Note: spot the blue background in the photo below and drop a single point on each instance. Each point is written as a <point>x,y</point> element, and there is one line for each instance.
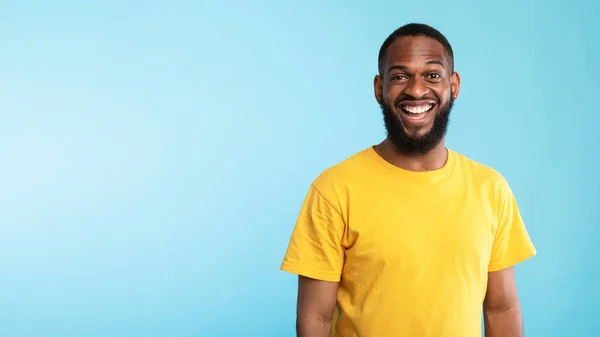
<point>154,155</point>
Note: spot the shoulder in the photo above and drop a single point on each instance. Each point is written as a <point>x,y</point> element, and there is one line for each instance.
<point>493,187</point>
<point>343,172</point>
<point>483,174</point>
<point>335,182</point>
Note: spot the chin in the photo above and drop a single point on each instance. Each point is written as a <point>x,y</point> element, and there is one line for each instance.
<point>419,134</point>
<point>416,131</point>
<point>416,139</point>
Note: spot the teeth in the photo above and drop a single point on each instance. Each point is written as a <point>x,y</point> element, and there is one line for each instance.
<point>417,109</point>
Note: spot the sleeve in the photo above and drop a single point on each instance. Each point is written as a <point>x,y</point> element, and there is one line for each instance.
<point>512,243</point>
<point>315,249</point>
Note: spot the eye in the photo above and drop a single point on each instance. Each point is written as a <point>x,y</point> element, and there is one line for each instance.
<point>398,77</point>
<point>434,76</point>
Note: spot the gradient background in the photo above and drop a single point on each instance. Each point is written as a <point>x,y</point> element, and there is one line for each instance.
<point>154,156</point>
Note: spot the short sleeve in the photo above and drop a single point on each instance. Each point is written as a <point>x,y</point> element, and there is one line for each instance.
<point>315,249</point>
<point>512,243</point>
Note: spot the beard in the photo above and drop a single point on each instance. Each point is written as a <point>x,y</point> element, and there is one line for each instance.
<point>416,145</point>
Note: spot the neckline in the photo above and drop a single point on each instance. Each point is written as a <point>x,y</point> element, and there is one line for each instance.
<point>432,176</point>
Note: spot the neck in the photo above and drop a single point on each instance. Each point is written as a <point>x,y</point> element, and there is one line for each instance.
<point>430,161</point>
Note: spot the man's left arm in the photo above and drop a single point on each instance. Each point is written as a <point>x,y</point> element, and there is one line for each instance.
<point>511,245</point>
<point>501,307</point>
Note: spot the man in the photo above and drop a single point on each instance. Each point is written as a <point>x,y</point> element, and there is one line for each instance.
<point>407,237</point>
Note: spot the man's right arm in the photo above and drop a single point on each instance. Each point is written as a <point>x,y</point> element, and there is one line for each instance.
<point>316,252</point>
<point>316,303</point>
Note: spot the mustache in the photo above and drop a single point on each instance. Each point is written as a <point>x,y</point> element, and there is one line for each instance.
<point>401,99</point>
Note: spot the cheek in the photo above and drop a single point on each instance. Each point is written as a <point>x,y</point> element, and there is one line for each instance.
<point>391,95</point>
<point>445,91</point>
<point>442,94</point>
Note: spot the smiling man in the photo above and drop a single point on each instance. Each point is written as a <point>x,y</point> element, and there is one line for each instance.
<point>407,237</point>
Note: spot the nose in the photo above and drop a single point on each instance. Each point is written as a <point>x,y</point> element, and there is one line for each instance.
<point>416,88</point>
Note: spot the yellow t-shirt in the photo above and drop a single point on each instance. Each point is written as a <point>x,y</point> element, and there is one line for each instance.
<point>412,250</point>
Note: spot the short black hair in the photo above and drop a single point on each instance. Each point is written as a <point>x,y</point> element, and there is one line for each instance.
<point>415,29</point>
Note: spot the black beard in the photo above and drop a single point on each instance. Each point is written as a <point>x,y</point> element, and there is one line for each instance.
<point>416,145</point>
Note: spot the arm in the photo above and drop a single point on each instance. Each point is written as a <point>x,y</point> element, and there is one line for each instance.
<point>501,307</point>
<point>316,252</point>
<point>511,245</point>
<point>316,302</point>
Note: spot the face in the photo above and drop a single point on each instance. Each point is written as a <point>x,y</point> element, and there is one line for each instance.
<point>416,92</point>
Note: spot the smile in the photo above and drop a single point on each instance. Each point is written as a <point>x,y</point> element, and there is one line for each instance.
<point>416,109</point>
<point>417,113</point>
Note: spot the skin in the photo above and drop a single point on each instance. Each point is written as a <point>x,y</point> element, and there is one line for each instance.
<point>416,69</point>
<point>316,302</point>
<point>501,307</point>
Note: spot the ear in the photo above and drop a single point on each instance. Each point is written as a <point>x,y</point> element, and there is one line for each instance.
<point>455,85</point>
<point>378,88</point>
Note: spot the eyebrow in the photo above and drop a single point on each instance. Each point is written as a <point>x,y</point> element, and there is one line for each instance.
<point>435,62</point>
<point>403,67</point>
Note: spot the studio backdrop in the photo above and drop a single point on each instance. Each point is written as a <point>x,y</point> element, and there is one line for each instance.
<point>155,155</point>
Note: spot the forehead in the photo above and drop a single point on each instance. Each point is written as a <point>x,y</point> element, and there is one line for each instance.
<point>415,50</point>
